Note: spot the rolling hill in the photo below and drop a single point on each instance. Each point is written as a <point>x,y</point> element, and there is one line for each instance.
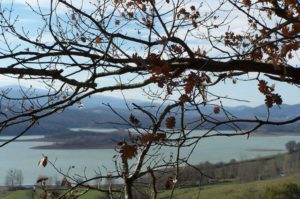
<point>96,115</point>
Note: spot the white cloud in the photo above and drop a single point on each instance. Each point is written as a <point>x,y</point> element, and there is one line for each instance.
<point>8,81</point>
<point>33,3</point>
<point>45,4</point>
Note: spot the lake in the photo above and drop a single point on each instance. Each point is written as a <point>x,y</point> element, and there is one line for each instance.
<point>18,155</point>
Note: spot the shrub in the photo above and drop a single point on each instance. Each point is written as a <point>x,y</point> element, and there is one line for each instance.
<point>286,191</point>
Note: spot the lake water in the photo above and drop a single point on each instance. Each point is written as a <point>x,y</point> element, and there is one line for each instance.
<point>18,155</point>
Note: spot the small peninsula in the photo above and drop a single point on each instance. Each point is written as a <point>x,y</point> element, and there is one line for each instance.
<point>82,140</point>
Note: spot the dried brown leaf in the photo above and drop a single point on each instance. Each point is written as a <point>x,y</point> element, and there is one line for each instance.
<point>269,101</point>
<point>133,120</point>
<point>128,151</point>
<point>216,109</point>
<point>160,137</point>
<point>147,138</point>
<point>184,98</point>
<point>277,99</point>
<point>98,40</point>
<point>262,87</point>
<point>170,122</point>
<point>43,161</point>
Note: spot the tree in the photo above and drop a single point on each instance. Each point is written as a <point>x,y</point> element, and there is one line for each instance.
<point>156,45</point>
<point>291,146</point>
<point>14,178</point>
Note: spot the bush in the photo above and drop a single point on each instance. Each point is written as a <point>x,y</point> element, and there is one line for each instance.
<point>287,191</point>
<point>292,146</point>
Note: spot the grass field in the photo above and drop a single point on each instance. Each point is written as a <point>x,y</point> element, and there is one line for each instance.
<point>27,194</point>
<point>249,190</point>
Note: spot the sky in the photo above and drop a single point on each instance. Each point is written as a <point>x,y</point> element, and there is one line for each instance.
<point>242,90</point>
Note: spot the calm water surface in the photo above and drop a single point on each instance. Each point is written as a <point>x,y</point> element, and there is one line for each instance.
<point>18,155</point>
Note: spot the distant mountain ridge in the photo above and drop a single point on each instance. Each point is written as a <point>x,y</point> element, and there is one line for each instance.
<point>96,115</point>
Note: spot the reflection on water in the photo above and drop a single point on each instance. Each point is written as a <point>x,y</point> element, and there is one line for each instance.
<point>94,130</point>
<point>19,155</point>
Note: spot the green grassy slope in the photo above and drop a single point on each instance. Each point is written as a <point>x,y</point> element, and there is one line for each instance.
<point>232,191</point>
<point>249,190</point>
<point>27,194</point>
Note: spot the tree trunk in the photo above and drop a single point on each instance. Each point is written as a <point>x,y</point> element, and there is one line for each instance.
<point>128,190</point>
<point>128,182</point>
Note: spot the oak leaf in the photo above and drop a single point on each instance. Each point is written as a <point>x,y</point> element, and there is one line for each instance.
<point>153,138</point>
<point>285,31</point>
<point>128,151</point>
<point>170,122</point>
<point>216,109</point>
<point>269,101</point>
<point>247,3</point>
<point>147,138</point>
<point>133,120</point>
<point>262,87</point>
<point>98,40</point>
<point>162,68</point>
<point>157,70</point>
<point>43,161</point>
<point>277,99</point>
<point>296,28</point>
<point>189,86</point>
<point>160,137</point>
<point>184,98</point>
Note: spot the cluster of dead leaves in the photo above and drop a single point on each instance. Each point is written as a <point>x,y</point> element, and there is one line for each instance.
<point>162,67</point>
<point>170,122</point>
<point>270,97</point>
<point>158,137</point>
<point>52,193</point>
<point>247,3</point>
<point>193,15</point>
<point>133,120</point>
<point>184,98</point>
<point>285,32</point>
<point>159,67</point>
<point>161,71</point>
<point>134,5</point>
<point>195,80</point>
<point>128,151</point>
<point>232,39</point>
<point>177,49</point>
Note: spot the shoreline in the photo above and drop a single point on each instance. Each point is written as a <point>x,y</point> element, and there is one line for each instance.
<point>109,140</point>
<point>274,134</point>
<point>71,147</point>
